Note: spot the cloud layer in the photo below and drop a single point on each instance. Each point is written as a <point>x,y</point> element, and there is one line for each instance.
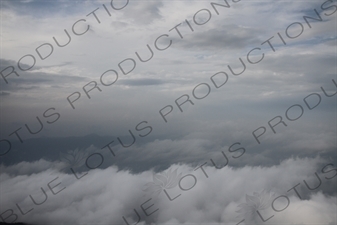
<point>205,195</point>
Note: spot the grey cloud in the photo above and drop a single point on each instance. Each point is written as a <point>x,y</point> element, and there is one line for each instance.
<point>41,9</point>
<point>34,79</point>
<point>4,93</point>
<point>143,12</point>
<point>222,38</point>
<point>331,42</point>
<point>314,65</point>
<point>5,63</point>
<point>141,82</point>
<point>119,24</point>
<point>29,168</point>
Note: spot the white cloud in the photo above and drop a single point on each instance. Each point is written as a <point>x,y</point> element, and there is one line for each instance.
<point>105,196</point>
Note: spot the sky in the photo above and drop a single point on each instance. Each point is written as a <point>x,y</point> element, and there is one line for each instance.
<point>110,109</point>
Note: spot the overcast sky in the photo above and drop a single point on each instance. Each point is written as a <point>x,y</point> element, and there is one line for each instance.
<point>143,88</point>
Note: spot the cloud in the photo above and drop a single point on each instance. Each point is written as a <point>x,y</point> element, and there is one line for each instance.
<point>175,72</point>
<point>223,38</point>
<point>150,11</point>
<point>43,9</point>
<point>194,133</point>
<point>141,82</point>
<point>29,168</point>
<point>3,93</point>
<point>106,195</point>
